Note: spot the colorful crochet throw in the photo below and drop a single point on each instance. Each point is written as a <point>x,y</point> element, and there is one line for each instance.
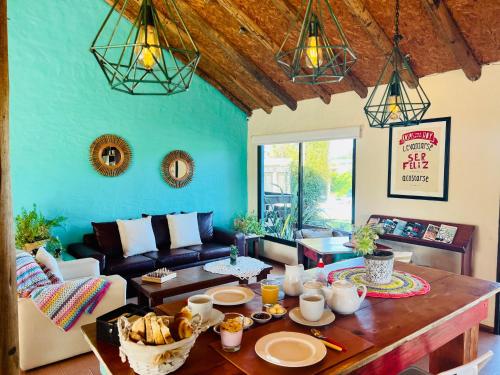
<point>402,285</point>
<point>65,303</point>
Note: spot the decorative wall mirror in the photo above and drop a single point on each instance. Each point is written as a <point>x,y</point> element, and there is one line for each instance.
<point>110,155</point>
<point>177,168</point>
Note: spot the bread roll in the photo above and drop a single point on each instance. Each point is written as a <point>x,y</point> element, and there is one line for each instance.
<point>181,328</point>
<point>155,327</point>
<point>184,313</point>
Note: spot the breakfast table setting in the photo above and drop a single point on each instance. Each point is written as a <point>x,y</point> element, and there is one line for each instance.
<point>347,326</point>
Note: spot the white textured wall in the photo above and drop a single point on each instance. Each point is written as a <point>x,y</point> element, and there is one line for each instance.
<point>474,190</point>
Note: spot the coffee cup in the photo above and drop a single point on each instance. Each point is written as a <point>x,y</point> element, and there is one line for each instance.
<point>312,306</point>
<point>312,287</point>
<point>201,304</point>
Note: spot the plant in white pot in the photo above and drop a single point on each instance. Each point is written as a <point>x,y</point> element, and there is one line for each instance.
<point>33,229</point>
<point>379,263</point>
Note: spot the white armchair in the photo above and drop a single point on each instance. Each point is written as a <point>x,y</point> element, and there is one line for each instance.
<point>42,342</point>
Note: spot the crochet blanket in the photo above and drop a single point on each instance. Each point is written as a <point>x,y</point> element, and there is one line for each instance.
<point>65,303</point>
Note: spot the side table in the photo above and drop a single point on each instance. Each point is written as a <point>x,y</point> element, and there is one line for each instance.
<point>252,241</point>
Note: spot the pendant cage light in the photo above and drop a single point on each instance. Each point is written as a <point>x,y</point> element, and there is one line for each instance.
<point>143,56</point>
<point>402,102</point>
<point>321,52</point>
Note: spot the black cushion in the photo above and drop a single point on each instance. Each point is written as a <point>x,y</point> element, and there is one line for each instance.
<point>205,225</point>
<point>134,265</point>
<point>108,238</point>
<point>211,250</point>
<point>160,230</point>
<point>173,258</point>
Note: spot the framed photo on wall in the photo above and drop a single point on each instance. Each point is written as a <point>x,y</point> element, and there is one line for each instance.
<point>419,158</point>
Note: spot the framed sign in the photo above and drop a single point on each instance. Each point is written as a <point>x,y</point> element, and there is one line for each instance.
<point>419,160</point>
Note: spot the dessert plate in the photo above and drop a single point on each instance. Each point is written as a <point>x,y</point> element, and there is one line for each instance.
<point>230,295</point>
<point>290,349</point>
<point>327,318</point>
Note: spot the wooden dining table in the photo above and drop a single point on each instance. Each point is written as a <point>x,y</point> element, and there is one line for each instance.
<point>443,324</point>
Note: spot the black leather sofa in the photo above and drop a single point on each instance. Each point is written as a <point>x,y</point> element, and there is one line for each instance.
<point>105,246</point>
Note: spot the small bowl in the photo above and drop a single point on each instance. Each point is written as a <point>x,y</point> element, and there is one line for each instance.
<point>277,316</point>
<point>261,316</point>
<point>247,323</point>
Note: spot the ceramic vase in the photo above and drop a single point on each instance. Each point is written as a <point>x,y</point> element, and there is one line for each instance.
<point>379,267</point>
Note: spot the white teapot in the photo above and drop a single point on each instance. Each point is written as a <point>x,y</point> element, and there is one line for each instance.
<point>342,297</point>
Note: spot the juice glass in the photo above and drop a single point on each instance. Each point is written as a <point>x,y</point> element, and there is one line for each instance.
<point>231,332</point>
<point>269,289</point>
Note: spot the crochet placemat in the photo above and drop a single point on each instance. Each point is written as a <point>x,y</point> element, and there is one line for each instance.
<point>403,284</point>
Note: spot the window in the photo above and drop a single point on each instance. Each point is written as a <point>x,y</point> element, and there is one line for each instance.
<point>306,185</point>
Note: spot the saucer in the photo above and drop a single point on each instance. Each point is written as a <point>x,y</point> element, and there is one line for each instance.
<point>327,318</point>
<point>216,317</point>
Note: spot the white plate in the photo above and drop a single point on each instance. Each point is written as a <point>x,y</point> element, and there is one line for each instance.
<point>327,318</point>
<point>230,295</point>
<point>290,349</point>
<point>216,317</point>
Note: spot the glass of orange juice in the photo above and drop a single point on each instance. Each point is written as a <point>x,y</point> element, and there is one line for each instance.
<point>269,289</point>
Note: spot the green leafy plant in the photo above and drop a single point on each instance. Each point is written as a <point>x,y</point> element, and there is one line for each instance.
<point>364,237</point>
<point>32,226</point>
<point>249,224</point>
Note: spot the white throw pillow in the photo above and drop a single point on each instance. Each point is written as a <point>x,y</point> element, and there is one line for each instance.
<point>46,258</point>
<point>183,230</point>
<point>136,236</point>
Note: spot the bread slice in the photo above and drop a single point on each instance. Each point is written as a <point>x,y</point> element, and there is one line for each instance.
<point>165,331</point>
<point>139,328</point>
<point>150,339</point>
<point>155,327</point>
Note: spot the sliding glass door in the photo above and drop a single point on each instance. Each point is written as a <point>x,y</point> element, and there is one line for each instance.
<point>306,185</point>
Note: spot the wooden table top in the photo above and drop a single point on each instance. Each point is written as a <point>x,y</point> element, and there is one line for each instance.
<point>387,323</point>
<point>188,279</point>
<point>326,245</point>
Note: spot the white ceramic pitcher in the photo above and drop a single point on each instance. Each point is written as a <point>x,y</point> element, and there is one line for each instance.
<point>292,285</point>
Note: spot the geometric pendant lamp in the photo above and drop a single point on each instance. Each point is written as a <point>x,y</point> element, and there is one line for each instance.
<point>144,56</point>
<point>397,99</point>
<point>315,50</point>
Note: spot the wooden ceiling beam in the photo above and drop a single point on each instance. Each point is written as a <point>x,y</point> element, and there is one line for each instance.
<point>263,38</point>
<point>449,31</point>
<point>222,89</point>
<point>290,12</point>
<point>379,37</point>
<point>196,20</point>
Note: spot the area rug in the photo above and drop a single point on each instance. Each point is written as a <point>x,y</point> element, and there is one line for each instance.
<point>403,284</point>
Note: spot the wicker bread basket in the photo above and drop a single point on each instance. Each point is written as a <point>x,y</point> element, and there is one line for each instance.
<point>155,360</point>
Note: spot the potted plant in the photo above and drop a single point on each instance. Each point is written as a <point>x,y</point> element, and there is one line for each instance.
<point>379,263</point>
<point>249,225</point>
<point>33,229</point>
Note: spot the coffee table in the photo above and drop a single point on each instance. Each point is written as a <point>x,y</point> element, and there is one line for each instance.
<point>187,280</point>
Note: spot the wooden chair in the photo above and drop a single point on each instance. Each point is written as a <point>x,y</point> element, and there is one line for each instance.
<point>471,368</point>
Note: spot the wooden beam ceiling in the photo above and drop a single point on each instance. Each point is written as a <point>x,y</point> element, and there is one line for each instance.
<point>448,30</point>
<point>263,38</point>
<point>192,17</point>
<point>238,40</point>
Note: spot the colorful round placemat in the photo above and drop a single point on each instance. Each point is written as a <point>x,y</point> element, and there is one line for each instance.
<point>403,284</point>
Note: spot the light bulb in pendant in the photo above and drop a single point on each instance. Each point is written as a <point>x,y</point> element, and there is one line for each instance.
<point>148,49</point>
<point>314,55</point>
<point>392,103</point>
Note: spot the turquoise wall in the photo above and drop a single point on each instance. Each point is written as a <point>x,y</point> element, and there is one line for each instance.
<point>60,103</point>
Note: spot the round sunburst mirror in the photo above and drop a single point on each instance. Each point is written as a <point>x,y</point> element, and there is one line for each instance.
<point>110,155</point>
<point>177,168</point>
